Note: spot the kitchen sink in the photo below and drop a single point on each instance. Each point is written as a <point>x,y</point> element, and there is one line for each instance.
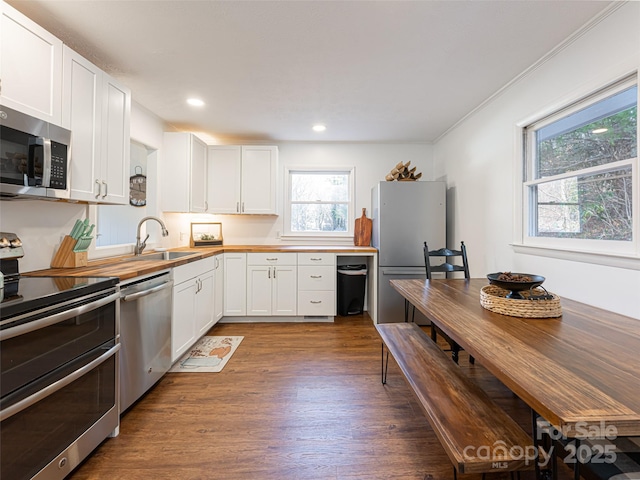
<point>162,256</point>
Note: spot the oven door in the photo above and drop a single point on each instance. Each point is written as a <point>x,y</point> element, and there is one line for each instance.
<point>51,426</point>
<point>37,343</point>
<point>59,385</point>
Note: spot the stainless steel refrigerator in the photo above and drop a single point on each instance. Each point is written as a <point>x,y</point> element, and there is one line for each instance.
<point>405,215</point>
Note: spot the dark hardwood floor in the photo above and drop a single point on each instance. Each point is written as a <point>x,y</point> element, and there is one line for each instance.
<point>296,401</point>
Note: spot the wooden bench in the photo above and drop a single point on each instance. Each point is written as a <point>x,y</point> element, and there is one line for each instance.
<point>477,435</point>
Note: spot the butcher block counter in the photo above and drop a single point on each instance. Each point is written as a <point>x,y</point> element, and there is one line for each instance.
<point>128,266</point>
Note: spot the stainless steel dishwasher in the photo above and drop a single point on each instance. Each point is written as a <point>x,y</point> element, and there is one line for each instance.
<point>145,334</point>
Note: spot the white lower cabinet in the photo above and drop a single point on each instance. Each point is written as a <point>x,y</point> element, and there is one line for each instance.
<point>183,331</point>
<point>193,304</point>
<point>218,288</point>
<point>271,284</point>
<point>235,284</point>
<point>316,284</point>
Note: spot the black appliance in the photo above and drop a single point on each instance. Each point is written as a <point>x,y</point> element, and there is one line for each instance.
<point>59,371</point>
<point>34,156</point>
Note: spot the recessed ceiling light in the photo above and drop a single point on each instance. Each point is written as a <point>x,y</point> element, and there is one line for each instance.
<point>319,128</point>
<point>600,130</point>
<point>195,102</point>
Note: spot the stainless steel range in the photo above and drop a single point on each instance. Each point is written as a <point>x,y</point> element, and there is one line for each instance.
<point>59,342</point>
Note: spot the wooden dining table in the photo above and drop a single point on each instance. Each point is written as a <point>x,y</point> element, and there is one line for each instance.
<point>580,371</point>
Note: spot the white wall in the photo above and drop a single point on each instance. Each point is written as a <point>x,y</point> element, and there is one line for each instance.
<point>479,158</point>
<point>371,161</point>
<point>41,225</point>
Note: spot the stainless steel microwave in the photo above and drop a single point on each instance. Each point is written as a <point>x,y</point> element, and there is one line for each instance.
<point>34,156</point>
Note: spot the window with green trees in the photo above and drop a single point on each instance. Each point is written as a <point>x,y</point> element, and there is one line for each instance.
<point>580,168</point>
<point>320,201</point>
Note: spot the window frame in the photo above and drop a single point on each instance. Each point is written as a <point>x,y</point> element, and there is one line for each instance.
<point>310,169</point>
<point>624,254</point>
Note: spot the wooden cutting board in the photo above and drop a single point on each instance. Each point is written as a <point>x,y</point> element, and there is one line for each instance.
<point>362,231</point>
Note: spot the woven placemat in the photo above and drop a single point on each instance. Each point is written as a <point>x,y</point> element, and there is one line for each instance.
<point>494,298</point>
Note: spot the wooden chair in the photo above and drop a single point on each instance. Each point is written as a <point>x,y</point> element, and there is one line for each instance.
<point>447,268</point>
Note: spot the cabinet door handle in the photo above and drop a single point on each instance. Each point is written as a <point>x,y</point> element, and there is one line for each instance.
<point>242,207</point>
<point>269,272</point>
<point>99,188</point>
<point>272,259</point>
<point>238,207</point>
<point>106,189</point>
<point>315,301</point>
<point>315,259</point>
<point>274,272</point>
<point>206,205</point>
<point>316,276</point>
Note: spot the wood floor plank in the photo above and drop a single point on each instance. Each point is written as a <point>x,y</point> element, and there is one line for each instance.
<point>296,401</point>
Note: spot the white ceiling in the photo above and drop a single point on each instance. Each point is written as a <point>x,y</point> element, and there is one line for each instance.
<point>372,71</point>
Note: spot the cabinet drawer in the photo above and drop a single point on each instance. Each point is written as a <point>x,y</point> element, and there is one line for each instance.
<point>316,259</point>
<point>193,269</point>
<point>275,258</point>
<point>317,303</point>
<point>316,278</point>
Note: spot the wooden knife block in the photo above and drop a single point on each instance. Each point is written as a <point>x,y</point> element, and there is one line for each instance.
<point>65,257</point>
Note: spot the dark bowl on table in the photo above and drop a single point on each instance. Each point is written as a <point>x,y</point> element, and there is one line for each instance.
<point>513,286</point>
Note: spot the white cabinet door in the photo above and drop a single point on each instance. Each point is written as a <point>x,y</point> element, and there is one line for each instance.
<point>259,290</point>
<point>183,173</point>
<point>82,114</point>
<point>198,180</point>
<point>259,169</point>
<point>271,290</point>
<point>243,179</point>
<point>182,319</point>
<point>224,176</point>
<point>284,290</point>
<point>97,110</point>
<point>204,303</point>
<point>30,67</point>
<point>218,288</point>
<point>235,284</point>
<point>116,147</point>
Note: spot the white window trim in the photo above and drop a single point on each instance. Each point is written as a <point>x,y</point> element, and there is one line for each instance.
<point>288,234</point>
<point>600,252</point>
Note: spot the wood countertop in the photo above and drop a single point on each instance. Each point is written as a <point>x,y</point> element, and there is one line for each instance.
<point>127,267</point>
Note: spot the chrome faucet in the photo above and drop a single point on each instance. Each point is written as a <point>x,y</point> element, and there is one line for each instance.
<point>140,245</point>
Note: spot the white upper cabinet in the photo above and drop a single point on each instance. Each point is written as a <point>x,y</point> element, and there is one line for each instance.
<point>242,179</point>
<point>97,109</point>
<point>30,67</point>
<point>225,164</point>
<point>184,173</point>
<point>116,144</point>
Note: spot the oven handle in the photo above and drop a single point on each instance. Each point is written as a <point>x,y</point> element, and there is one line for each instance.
<point>144,293</point>
<point>60,384</point>
<point>58,317</point>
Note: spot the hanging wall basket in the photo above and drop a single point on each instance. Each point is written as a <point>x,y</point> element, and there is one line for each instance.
<point>138,189</point>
